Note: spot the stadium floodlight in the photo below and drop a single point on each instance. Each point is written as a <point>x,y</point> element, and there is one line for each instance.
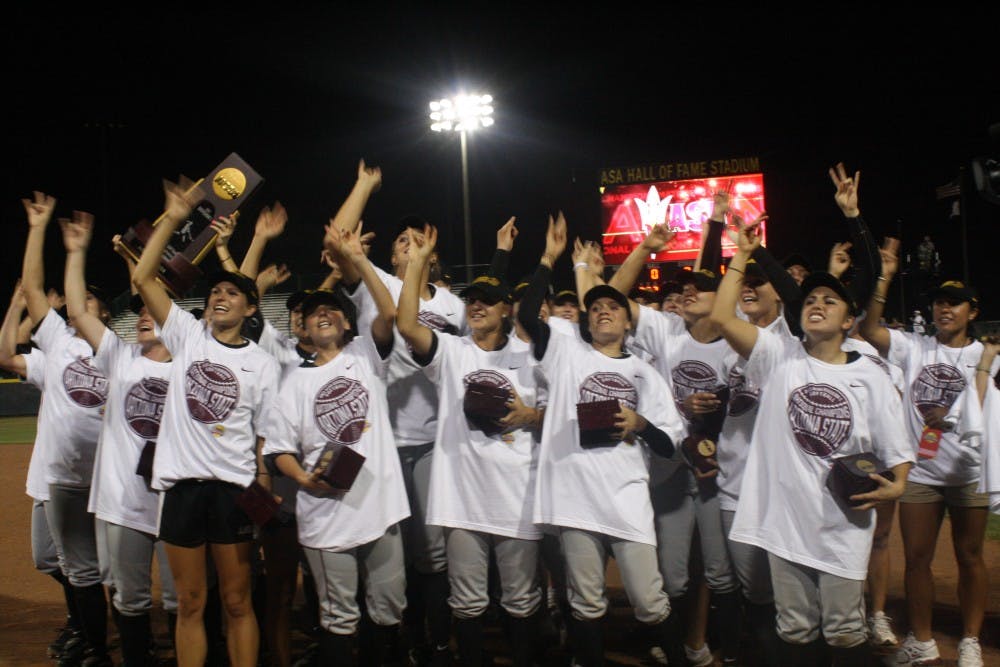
<point>463,113</point>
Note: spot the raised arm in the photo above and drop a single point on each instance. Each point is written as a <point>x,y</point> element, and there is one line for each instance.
<point>179,200</point>
<point>625,277</point>
<point>840,259</point>
<point>534,294</point>
<point>270,224</point>
<point>866,250</point>
<point>871,330</point>
<point>584,273</point>
<point>369,181</point>
<point>76,237</point>
<point>505,244</point>
<point>10,360</point>
<point>224,228</point>
<point>272,276</point>
<point>39,213</point>
<point>416,334</point>
<point>710,254</point>
<point>741,335</point>
<point>348,245</point>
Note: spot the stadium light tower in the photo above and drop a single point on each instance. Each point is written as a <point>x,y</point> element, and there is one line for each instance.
<point>463,114</point>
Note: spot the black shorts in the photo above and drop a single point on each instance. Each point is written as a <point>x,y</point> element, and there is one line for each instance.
<point>197,511</point>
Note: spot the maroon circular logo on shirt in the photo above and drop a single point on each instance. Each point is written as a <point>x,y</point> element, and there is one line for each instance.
<point>743,396</point>
<point>212,392</point>
<point>432,320</point>
<point>603,386</point>
<point>341,409</point>
<point>144,406</point>
<point>937,386</point>
<point>690,377</point>
<point>489,378</point>
<point>821,418</point>
<point>85,384</point>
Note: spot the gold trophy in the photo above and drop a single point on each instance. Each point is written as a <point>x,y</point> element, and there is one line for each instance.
<point>232,183</point>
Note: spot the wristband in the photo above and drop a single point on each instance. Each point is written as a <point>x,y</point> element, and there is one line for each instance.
<point>882,278</point>
<point>878,299</point>
<point>580,264</point>
<point>739,271</point>
<point>979,369</point>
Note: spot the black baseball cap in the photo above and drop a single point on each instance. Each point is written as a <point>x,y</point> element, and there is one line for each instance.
<point>296,298</point>
<point>704,280</point>
<point>824,279</point>
<point>563,296</point>
<point>519,290</point>
<point>135,304</point>
<point>955,290</point>
<point>753,274</point>
<point>409,222</point>
<point>99,294</point>
<point>796,259</point>
<point>606,291</point>
<point>671,287</point>
<point>334,298</point>
<point>242,282</point>
<point>493,289</point>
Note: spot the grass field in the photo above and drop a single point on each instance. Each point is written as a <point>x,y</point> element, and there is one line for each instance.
<point>16,430</point>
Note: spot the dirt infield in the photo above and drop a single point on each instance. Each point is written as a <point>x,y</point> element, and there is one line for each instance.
<point>31,604</point>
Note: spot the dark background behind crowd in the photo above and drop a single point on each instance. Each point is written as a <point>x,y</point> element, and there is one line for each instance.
<point>102,103</point>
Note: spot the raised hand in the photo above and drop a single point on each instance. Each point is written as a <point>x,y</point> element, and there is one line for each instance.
<point>366,239</point>
<point>659,237</point>
<point>224,227</point>
<point>345,243</point>
<point>40,209</point>
<point>846,195</point>
<point>370,177</point>
<point>555,239</point>
<point>78,231</point>
<point>580,251</point>
<point>180,198</point>
<point>506,235</point>
<point>271,221</point>
<point>748,237</point>
<point>840,259</point>
<point>595,257</point>
<point>272,276</point>
<point>422,244</point>
<point>890,257</point>
<point>720,205</point>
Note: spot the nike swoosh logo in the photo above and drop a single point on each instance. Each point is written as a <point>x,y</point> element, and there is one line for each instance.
<point>246,370</point>
<point>856,386</point>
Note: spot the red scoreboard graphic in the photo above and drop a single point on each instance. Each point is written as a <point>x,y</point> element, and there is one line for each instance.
<point>630,211</point>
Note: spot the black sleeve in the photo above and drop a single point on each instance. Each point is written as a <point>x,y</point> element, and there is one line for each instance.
<point>658,440</point>
<point>531,306</point>
<point>423,360</point>
<point>788,290</point>
<point>500,263</point>
<point>869,264</point>
<point>711,256</point>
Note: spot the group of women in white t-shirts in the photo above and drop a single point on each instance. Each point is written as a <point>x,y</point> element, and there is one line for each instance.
<point>591,434</point>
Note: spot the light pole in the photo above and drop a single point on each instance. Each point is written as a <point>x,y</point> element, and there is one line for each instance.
<point>463,114</point>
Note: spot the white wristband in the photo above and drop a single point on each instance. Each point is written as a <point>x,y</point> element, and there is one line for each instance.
<point>580,265</point>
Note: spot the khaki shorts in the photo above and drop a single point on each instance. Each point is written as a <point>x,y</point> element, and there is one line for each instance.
<point>954,496</point>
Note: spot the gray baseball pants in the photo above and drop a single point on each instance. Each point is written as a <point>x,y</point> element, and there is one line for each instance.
<point>468,573</point>
<point>751,565</point>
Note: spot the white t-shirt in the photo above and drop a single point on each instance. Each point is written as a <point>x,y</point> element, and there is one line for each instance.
<point>412,397</point>
<point>989,481</point>
<point>737,430</point>
<point>341,402</point>
<point>935,377</point>
<point>137,396</point>
<point>69,420</point>
<point>894,372</point>
<point>602,489</point>
<point>482,481</point>
<point>34,362</point>
<point>280,346</point>
<point>810,413</point>
<point>218,399</point>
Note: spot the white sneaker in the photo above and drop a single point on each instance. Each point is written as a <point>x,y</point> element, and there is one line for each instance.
<point>915,653</point>
<point>701,657</point>
<point>970,654</point>
<point>880,634</point>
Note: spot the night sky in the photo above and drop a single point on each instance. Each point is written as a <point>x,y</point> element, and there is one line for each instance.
<point>101,106</point>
